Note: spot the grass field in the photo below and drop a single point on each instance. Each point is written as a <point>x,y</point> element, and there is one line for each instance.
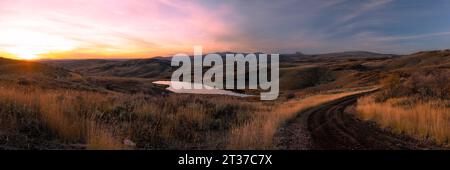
<point>426,120</point>
<point>76,119</point>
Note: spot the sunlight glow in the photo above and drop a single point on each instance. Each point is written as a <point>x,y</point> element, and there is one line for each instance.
<point>28,44</point>
<point>120,29</point>
<point>27,56</point>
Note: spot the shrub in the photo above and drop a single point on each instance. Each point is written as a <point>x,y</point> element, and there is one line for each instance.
<point>421,84</point>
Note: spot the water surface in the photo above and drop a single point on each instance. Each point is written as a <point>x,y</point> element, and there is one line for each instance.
<point>206,90</point>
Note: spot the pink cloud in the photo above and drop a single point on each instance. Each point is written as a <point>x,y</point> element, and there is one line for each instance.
<point>158,27</point>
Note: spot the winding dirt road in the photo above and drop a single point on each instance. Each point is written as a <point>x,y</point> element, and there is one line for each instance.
<point>334,126</point>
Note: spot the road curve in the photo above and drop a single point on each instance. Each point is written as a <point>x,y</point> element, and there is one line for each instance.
<point>334,126</point>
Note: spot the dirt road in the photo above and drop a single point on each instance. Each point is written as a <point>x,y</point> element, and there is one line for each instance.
<point>334,126</point>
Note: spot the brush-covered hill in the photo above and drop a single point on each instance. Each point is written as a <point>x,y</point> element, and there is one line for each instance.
<point>353,55</point>
<point>422,75</point>
<point>154,68</point>
<point>425,59</point>
<point>159,68</point>
<point>335,56</point>
<point>298,72</point>
<point>28,72</point>
<point>49,76</point>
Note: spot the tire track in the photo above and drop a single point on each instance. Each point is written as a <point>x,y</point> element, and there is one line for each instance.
<point>334,126</point>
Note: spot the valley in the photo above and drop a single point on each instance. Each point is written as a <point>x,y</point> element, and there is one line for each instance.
<point>114,104</point>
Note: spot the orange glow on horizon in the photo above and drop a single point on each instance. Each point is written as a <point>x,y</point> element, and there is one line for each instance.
<point>51,29</point>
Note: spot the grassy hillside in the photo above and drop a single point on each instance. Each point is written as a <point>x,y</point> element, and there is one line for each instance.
<point>297,71</point>
<point>415,98</point>
<point>139,68</point>
<point>32,73</point>
<point>48,76</point>
<point>426,59</point>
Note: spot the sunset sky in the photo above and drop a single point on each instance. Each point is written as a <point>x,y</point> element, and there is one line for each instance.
<point>69,29</point>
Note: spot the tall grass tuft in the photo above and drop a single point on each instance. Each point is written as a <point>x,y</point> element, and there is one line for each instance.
<point>423,119</point>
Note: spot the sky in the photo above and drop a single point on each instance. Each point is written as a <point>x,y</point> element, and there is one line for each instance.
<point>79,29</point>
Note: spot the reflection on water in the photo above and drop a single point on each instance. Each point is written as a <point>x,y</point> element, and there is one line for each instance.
<point>210,90</point>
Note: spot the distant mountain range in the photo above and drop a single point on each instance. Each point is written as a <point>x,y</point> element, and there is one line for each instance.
<point>338,55</point>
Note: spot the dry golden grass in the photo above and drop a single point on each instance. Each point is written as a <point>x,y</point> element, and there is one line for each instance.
<point>99,138</point>
<point>258,133</point>
<point>103,121</point>
<point>65,113</point>
<point>425,120</point>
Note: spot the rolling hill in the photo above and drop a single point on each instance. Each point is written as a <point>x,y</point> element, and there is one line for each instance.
<point>297,71</point>
<point>138,68</point>
<point>49,76</point>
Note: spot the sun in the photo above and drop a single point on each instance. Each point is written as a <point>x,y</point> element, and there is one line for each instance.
<point>27,56</point>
